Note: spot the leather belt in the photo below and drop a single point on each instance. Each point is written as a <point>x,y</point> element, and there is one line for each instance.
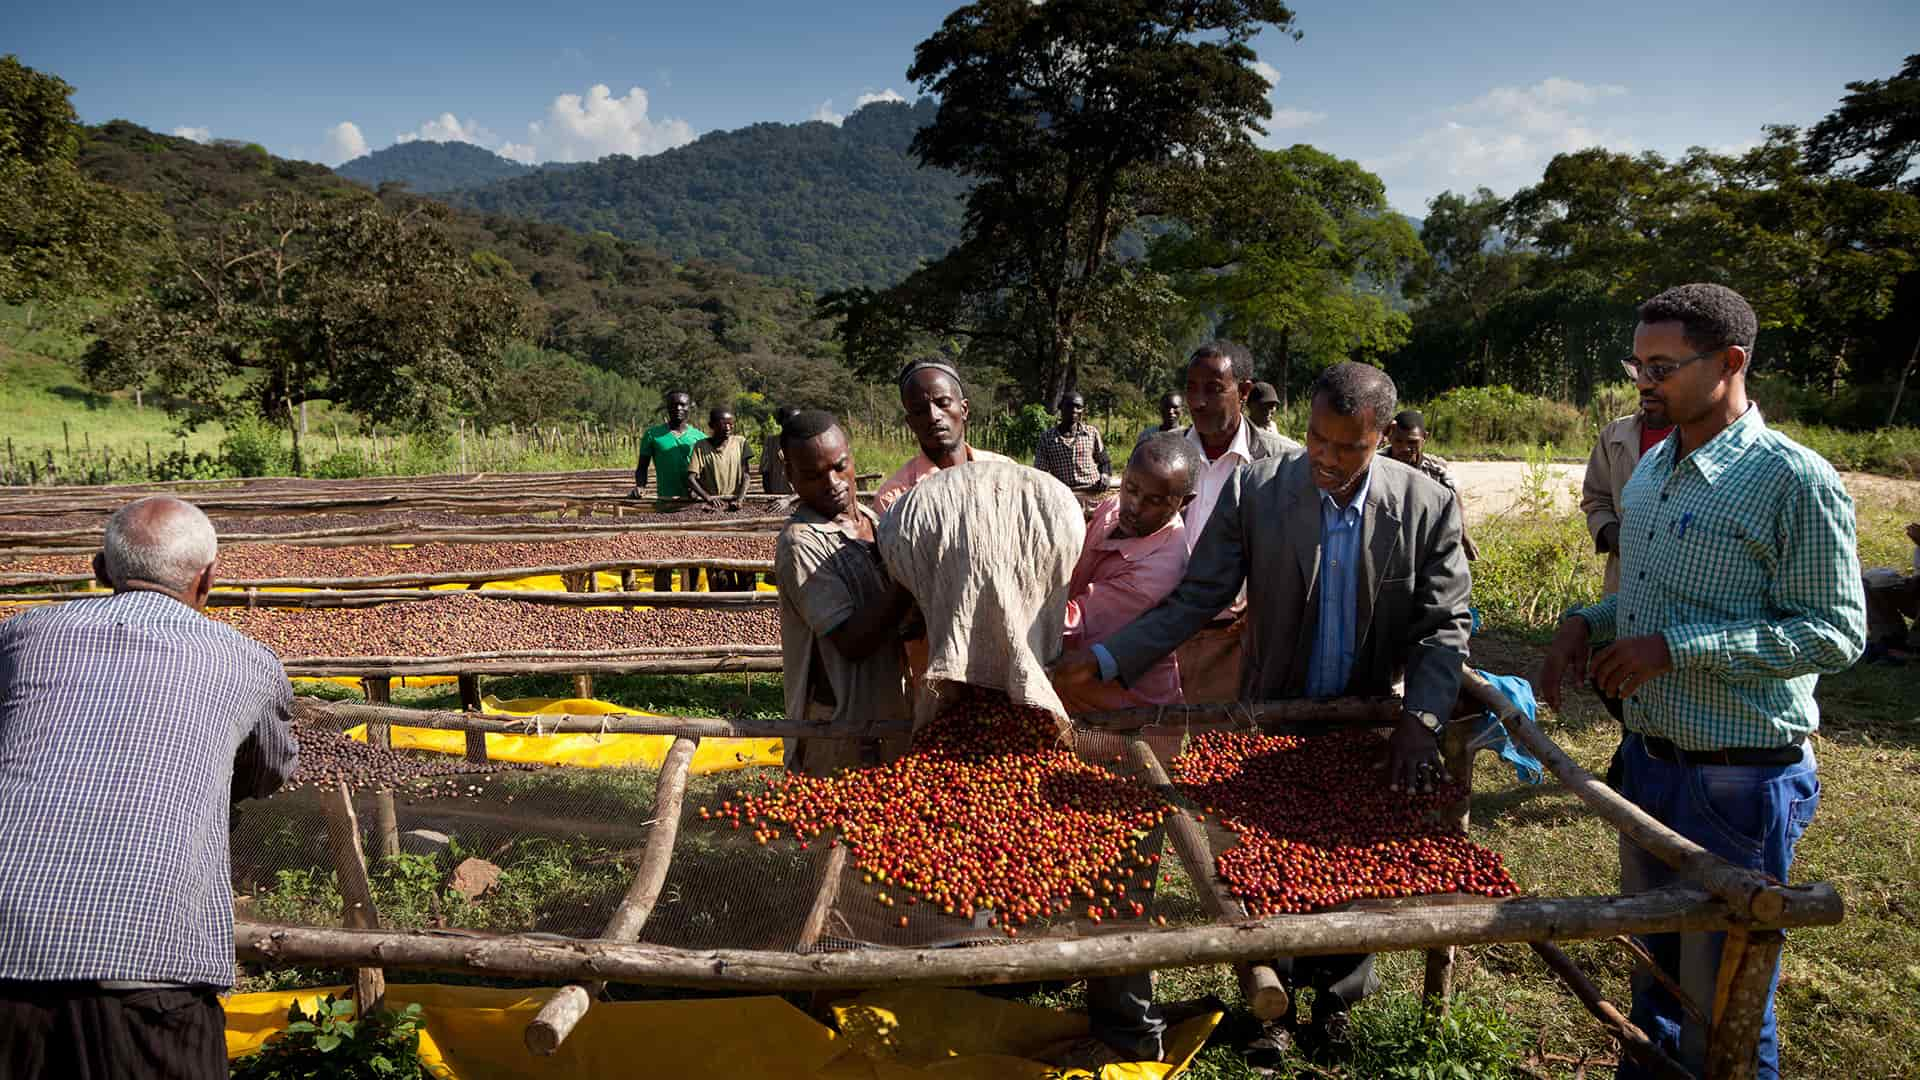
<point>1664,749</point>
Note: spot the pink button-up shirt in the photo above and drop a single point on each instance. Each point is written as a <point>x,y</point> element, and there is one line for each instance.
<point>918,468</point>
<point>1115,581</point>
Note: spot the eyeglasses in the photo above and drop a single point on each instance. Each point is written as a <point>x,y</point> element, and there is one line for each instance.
<point>1660,373</point>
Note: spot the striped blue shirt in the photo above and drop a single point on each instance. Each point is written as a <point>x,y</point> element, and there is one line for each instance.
<point>128,725</point>
<point>1333,638</point>
<point>1741,554</point>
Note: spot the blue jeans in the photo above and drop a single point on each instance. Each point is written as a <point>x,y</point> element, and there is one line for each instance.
<point>1752,816</point>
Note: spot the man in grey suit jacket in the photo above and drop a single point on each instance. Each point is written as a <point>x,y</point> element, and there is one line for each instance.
<point>1356,581</point>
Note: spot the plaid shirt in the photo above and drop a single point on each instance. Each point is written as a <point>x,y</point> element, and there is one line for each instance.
<point>1742,555</point>
<point>1074,458</point>
<point>127,726</point>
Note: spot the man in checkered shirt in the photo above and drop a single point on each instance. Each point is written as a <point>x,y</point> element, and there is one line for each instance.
<point>128,726</point>
<point>1739,588</point>
<point>1073,452</point>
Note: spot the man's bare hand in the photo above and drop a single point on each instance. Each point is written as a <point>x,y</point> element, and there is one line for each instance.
<point>1913,532</point>
<point>1567,654</point>
<point>1625,666</point>
<point>1413,757</point>
<point>1078,669</point>
<point>634,492</point>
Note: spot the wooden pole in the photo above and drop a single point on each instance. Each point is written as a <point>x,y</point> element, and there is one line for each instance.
<point>1749,892</point>
<point>356,890</point>
<point>1437,981</point>
<point>1259,984</point>
<point>627,568</point>
<point>470,702</point>
<point>749,658</point>
<point>232,596</point>
<point>1294,715</point>
<point>1632,1040</point>
<point>386,814</point>
<point>562,1011</point>
<point>1733,1043</point>
<point>1678,908</point>
<point>343,715</point>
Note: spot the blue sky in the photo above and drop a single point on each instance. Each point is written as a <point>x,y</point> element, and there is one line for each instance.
<point>1429,98</point>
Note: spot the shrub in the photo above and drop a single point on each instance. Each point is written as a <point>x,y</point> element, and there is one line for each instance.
<point>1481,415</point>
<point>1395,1038</point>
<point>337,1044</point>
<point>253,447</point>
<point>1891,451</point>
<point>1532,568</point>
<point>343,465</point>
<point>1015,435</point>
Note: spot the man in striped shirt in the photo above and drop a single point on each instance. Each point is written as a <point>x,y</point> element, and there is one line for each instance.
<point>129,724</point>
<point>1739,588</point>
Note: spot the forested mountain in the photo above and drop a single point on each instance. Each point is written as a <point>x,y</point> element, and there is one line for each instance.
<point>825,206</point>
<point>622,307</point>
<point>430,167</point>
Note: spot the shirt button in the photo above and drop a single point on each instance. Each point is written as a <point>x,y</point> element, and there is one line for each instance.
<point>1663,497</point>
<point>1629,618</point>
<point>1649,534</point>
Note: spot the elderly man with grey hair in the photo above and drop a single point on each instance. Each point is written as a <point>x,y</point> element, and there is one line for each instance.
<point>128,725</point>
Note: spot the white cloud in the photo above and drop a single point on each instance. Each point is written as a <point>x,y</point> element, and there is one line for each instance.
<point>824,113</point>
<point>447,128</point>
<point>868,98</point>
<point>1284,119</point>
<point>343,143</point>
<point>1268,72</point>
<point>1501,140</point>
<point>197,134</point>
<point>519,152</point>
<point>578,128</point>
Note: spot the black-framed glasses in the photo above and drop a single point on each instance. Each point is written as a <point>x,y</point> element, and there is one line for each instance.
<point>1660,373</point>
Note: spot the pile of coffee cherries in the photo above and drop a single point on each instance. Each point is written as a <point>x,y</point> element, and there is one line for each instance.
<point>988,812</point>
<point>1318,824</point>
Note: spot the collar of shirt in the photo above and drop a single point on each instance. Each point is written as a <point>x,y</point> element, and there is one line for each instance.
<point>808,516</point>
<point>1332,513</point>
<point>1721,451</point>
<point>1240,447</point>
<point>1131,548</point>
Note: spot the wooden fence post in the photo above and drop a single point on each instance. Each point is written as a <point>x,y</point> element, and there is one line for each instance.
<point>386,816</point>
<point>356,890</point>
<point>470,702</point>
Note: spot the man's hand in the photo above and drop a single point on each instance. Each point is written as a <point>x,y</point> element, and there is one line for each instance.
<point>1609,539</point>
<point>1079,669</point>
<point>633,492</point>
<point>1913,532</point>
<point>1568,652</point>
<point>1630,663</point>
<point>1413,756</point>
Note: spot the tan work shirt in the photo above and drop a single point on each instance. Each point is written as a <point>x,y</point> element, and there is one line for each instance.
<point>721,470</point>
<point>825,575</point>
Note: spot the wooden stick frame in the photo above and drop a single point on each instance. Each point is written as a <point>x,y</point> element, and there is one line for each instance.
<point>1713,896</point>
<point>419,580</point>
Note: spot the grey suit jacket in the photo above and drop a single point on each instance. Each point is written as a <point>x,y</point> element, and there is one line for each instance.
<point>1265,531</point>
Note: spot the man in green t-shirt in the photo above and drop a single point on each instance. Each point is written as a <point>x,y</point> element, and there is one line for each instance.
<point>669,447</point>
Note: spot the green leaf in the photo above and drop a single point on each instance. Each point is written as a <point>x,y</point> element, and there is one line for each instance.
<point>326,1043</point>
<point>342,1008</point>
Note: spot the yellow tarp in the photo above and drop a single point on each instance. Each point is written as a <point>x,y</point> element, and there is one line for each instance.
<point>475,1033</point>
<point>587,750</point>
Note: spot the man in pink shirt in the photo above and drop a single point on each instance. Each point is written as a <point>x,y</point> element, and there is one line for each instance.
<point>1136,552</point>
<point>937,410</point>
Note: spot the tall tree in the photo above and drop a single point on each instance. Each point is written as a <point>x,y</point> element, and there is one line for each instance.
<point>60,233</point>
<point>293,300</point>
<point>1299,248</point>
<point>1873,138</point>
<point>1074,118</point>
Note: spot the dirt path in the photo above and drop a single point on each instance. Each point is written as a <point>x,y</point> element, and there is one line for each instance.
<point>1491,488</point>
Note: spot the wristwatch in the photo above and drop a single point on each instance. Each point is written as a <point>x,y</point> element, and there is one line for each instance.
<point>1427,720</point>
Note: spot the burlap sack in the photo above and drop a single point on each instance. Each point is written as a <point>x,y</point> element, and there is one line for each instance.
<point>988,550</point>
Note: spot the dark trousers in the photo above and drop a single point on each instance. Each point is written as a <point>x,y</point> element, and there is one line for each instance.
<point>1345,978</point>
<point>77,1031</point>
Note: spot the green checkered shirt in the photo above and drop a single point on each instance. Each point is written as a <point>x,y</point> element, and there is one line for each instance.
<point>1742,555</point>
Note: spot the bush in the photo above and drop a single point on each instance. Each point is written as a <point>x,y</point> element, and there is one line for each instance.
<point>1532,568</point>
<point>1482,415</point>
<point>336,1044</point>
<point>253,447</point>
<point>1890,451</point>
<point>1015,435</point>
<point>343,465</point>
<point>1395,1038</point>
